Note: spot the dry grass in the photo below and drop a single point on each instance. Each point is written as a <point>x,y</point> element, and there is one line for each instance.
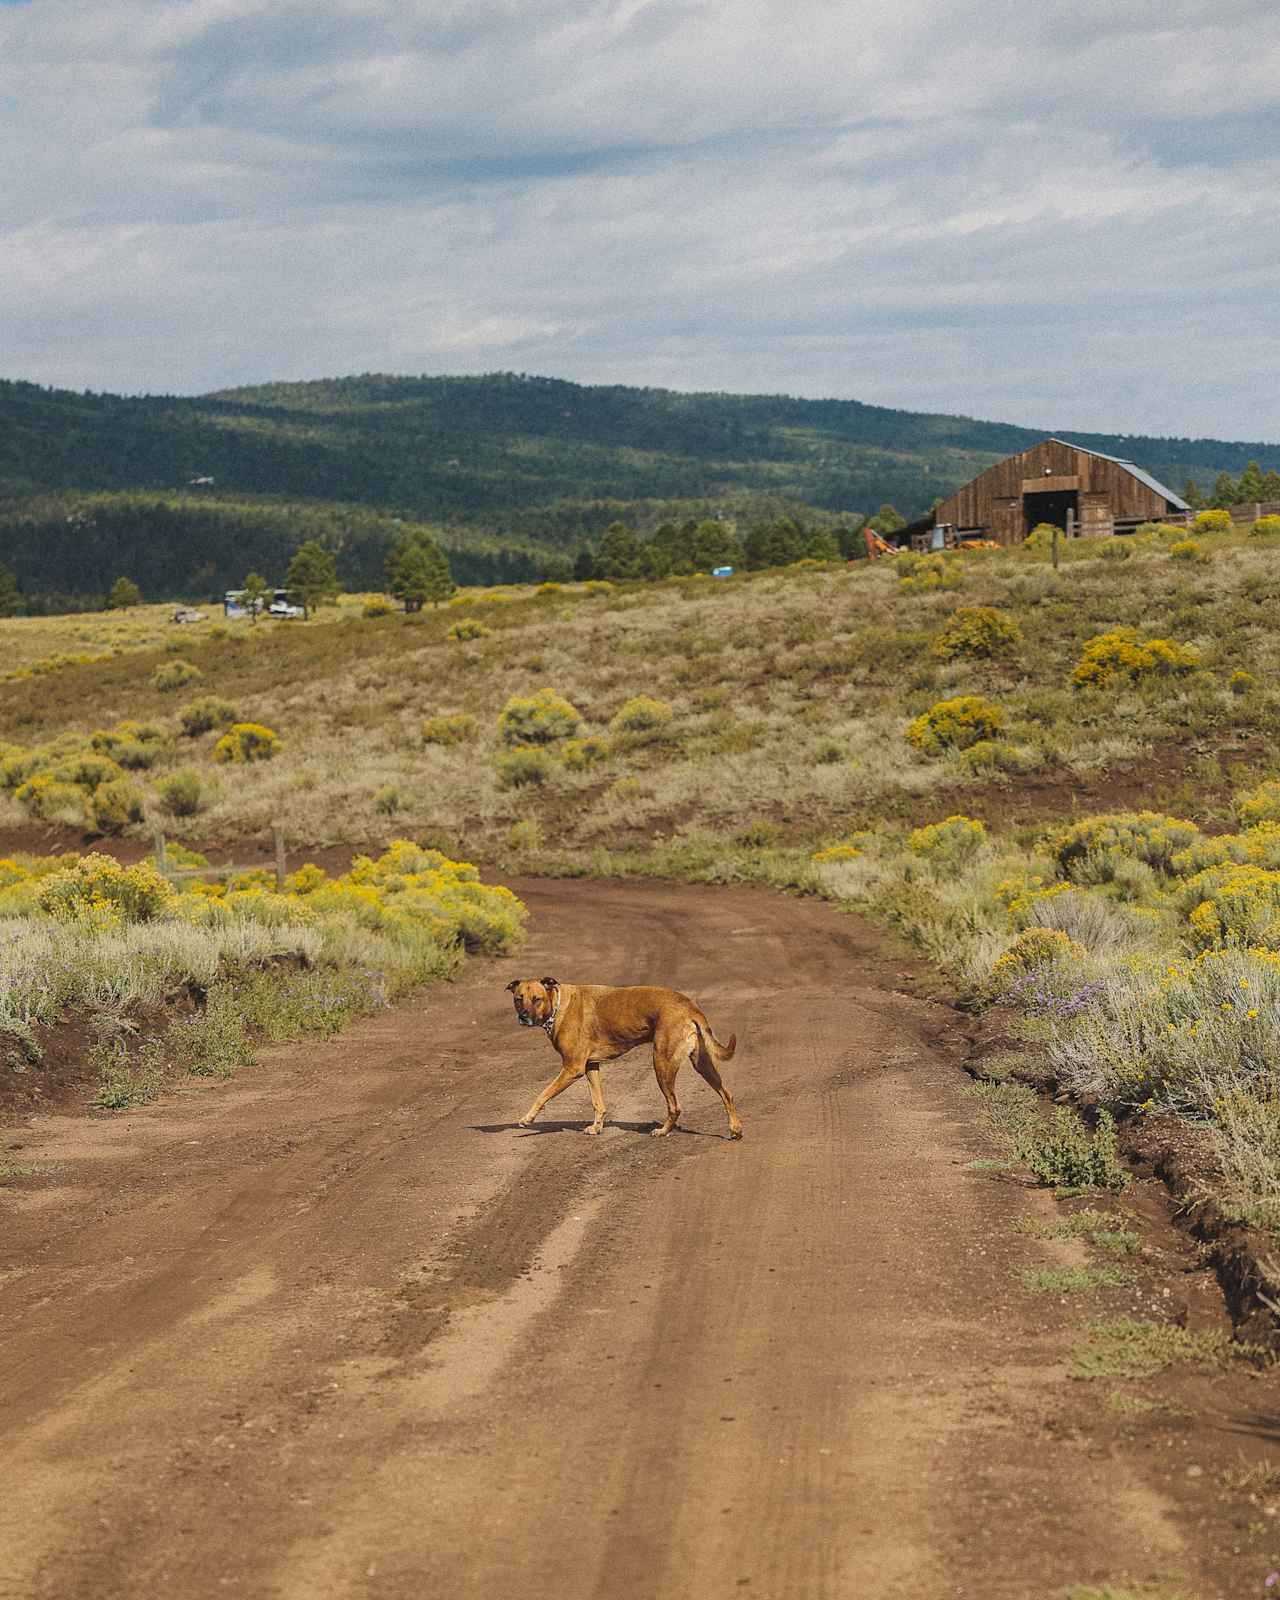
<point>791,693</point>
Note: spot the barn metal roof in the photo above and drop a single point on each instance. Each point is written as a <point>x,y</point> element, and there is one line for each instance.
<point>1175,500</point>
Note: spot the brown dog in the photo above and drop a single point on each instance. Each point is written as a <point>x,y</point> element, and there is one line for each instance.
<point>589,1023</point>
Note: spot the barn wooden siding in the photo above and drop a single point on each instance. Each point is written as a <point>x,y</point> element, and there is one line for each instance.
<point>1106,492</point>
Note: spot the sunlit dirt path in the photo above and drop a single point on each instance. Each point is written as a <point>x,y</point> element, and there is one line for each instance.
<point>339,1329</point>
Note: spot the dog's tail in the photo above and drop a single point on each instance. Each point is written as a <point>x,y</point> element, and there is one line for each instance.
<point>707,1040</point>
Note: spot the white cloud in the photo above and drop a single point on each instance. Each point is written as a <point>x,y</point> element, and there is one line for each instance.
<point>1063,218</point>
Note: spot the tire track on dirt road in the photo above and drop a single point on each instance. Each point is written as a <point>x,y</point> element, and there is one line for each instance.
<point>339,1330</point>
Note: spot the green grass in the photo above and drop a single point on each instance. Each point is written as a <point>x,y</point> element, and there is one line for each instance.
<point>1126,1347</point>
<point>1098,1227</point>
<point>1072,1280</point>
<point>1122,1404</point>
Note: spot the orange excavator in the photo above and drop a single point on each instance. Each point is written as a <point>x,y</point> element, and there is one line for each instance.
<point>876,546</point>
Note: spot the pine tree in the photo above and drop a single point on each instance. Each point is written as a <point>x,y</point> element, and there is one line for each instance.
<point>714,545</point>
<point>619,553</point>
<point>256,591</point>
<point>1192,495</point>
<point>887,520</point>
<point>124,593</point>
<point>312,575</point>
<point>820,545</point>
<point>10,595</point>
<point>852,540</point>
<point>1271,485</point>
<point>1224,490</point>
<point>584,568</point>
<point>1250,485</point>
<point>418,570</point>
<point>655,560</point>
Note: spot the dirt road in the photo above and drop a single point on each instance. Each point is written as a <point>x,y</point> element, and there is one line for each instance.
<point>338,1329</point>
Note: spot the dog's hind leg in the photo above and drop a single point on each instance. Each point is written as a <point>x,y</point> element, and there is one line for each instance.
<point>597,1097</point>
<point>665,1067</point>
<point>706,1069</point>
<point>569,1074</point>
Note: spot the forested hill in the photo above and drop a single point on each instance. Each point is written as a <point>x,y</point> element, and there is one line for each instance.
<point>499,461</point>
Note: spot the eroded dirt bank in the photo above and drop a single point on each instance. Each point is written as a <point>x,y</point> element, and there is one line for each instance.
<point>338,1329</point>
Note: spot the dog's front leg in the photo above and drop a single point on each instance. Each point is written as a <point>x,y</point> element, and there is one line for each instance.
<point>568,1074</point>
<point>597,1096</point>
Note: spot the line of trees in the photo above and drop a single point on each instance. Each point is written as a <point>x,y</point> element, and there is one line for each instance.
<point>677,549</point>
<point>1252,485</point>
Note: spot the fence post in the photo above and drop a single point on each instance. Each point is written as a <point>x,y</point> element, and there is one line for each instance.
<point>162,861</point>
<point>277,838</point>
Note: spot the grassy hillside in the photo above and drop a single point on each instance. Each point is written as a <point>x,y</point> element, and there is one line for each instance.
<point>1063,785</point>
<point>502,461</point>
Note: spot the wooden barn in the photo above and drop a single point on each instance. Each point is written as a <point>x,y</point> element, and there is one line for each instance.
<point>1063,484</point>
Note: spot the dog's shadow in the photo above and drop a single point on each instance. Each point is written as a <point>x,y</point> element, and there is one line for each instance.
<point>577,1127</point>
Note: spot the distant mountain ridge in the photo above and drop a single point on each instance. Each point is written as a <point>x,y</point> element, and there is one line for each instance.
<point>507,459</point>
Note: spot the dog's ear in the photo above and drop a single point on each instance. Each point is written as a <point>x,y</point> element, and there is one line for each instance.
<point>513,985</point>
<point>550,983</point>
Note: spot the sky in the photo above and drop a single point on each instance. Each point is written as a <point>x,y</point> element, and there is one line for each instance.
<point>1057,215</point>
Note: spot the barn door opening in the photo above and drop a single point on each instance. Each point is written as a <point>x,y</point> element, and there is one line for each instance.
<point>1050,507</point>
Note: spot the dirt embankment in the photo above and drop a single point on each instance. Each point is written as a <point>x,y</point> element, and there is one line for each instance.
<point>338,1328</point>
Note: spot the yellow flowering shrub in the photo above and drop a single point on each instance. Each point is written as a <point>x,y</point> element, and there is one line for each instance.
<point>410,886</point>
<point>116,804</point>
<point>307,878</point>
<point>51,801</point>
<point>957,839</point>
<point>469,628</point>
<point>1259,847</point>
<point>1114,549</point>
<point>130,744</point>
<point>525,766</point>
<point>206,714</point>
<point>1124,656</point>
<point>835,852</point>
<point>176,674</point>
<point>1261,804</point>
<point>449,728</point>
<point>1266,528</point>
<point>1022,906</point>
<point>538,719</point>
<point>579,754</point>
<point>1235,905</point>
<point>1034,947</point>
<point>955,724</point>
<point>1189,550</point>
<point>246,741</point>
<point>977,631</point>
<point>1214,520</point>
<point>98,886</point>
<point>921,573</point>
<point>1148,836</point>
<point>20,879</point>
<point>1041,536</point>
<point>87,769</point>
<point>641,714</point>
<point>260,903</point>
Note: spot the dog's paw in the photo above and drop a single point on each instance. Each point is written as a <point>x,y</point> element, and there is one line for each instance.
<point>735,1133</point>
<point>591,1128</point>
<point>659,1133</point>
<point>525,1122</point>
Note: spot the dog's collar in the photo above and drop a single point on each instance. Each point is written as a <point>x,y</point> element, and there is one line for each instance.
<point>550,1023</point>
